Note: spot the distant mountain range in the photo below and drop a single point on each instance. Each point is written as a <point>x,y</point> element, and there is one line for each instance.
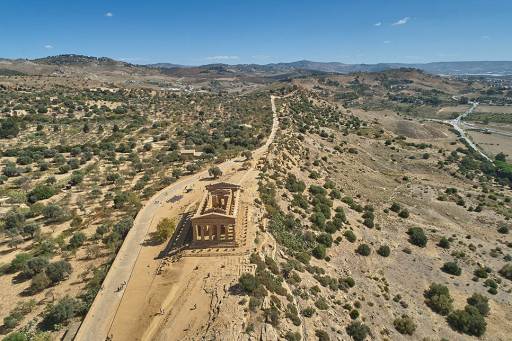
<point>74,63</point>
<point>438,68</point>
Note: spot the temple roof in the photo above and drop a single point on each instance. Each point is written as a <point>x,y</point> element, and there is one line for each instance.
<point>222,185</point>
<point>220,201</point>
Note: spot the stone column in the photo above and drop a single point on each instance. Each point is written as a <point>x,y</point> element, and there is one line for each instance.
<point>218,232</point>
<point>202,231</point>
<point>210,231</point>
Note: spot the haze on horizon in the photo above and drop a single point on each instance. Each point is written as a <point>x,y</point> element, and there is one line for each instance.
<point>235,32</point>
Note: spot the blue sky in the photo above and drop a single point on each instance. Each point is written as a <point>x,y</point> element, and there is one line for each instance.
<point>259,31</point>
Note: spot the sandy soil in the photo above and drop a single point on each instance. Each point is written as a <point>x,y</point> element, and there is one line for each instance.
<point>180,298</point>
<point>376,176</point>
<point>493,143</point>
<point>162,293</point>
<point>494,109</point>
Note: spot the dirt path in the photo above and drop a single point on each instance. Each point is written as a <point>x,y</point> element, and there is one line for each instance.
<point>100,318</point>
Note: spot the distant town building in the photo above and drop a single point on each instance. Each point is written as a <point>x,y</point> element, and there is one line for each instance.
<point>190,154</point>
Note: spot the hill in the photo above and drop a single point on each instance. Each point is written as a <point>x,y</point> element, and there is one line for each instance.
<point>72,64</point>
<point>438,68</point>
<point>74,59</point>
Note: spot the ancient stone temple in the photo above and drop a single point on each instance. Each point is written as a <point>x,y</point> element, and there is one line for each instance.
<point>214,222</point>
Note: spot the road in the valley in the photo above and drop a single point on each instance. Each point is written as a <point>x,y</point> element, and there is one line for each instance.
<point>97,322</point>
<point>456,124</point>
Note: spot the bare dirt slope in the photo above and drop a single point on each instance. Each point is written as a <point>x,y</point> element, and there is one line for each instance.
<point>188,295</point>
<point>371,175</point>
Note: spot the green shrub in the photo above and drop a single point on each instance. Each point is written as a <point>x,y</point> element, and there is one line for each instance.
<point>405,325</point>
<point>292,336</point>
<point>318,219</point>
<point>468,321</point>
<point>322,335</point>
<point>77,240</point>
<point>506,271</point>
<point>248,282</point>
<point>335,194</point>
<point>351,237</point>
<point>451,268</point>
<point>503,229</point>
<point>321,304</point>
<point>39,282</point>
<point>292,314</point>
<point>395,207</point>
<point>271,282</point>
<point>9,127</point>
<point>76,178</point>
<point>215,172</point>
<point>303,257</point>
<point>480,302</point>
<point>404,213</point>
<point>308,312</point>
<point>19,262</point>
<point>363,250</point>
<point>35,265</point>
<point>438,299</point>
<point>254,303</point>
<point>293,185</point>
<point>384,251</point>
<point>325,239</point>
<point>347,282</point>
<point>444,243</point>
<point>55,214</point>
<point>58,271</point>
<point>357,330</point>
<point>319,251</point>
<point>491,283</point>
<point>12,320</point>
<point>480,272</point>
<point>164,229</point>
<point>41,192</point>
<point>417,236</point>
<point>300,201</point>
<point>16,336</point>
<point>272,315</point>
<point>18,313</point>
<point>314,189</point>
<point>354,314</point>
<point>61,312</point>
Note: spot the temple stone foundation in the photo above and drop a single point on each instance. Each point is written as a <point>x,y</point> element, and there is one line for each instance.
<point>214,223</point>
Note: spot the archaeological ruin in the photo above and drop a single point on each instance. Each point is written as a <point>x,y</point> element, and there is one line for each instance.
<point>214,223</point>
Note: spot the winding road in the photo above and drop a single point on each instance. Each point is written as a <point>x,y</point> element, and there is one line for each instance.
<point>98,320</point>
<point>456,124</point>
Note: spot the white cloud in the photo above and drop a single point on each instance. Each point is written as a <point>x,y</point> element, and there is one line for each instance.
<point>387,41</point>
<point>402,21</point>
<point>48,46</point>
<point>378,24</point>
<point>222,57</point>
<point>486,37</point>
<point>109,14</point>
